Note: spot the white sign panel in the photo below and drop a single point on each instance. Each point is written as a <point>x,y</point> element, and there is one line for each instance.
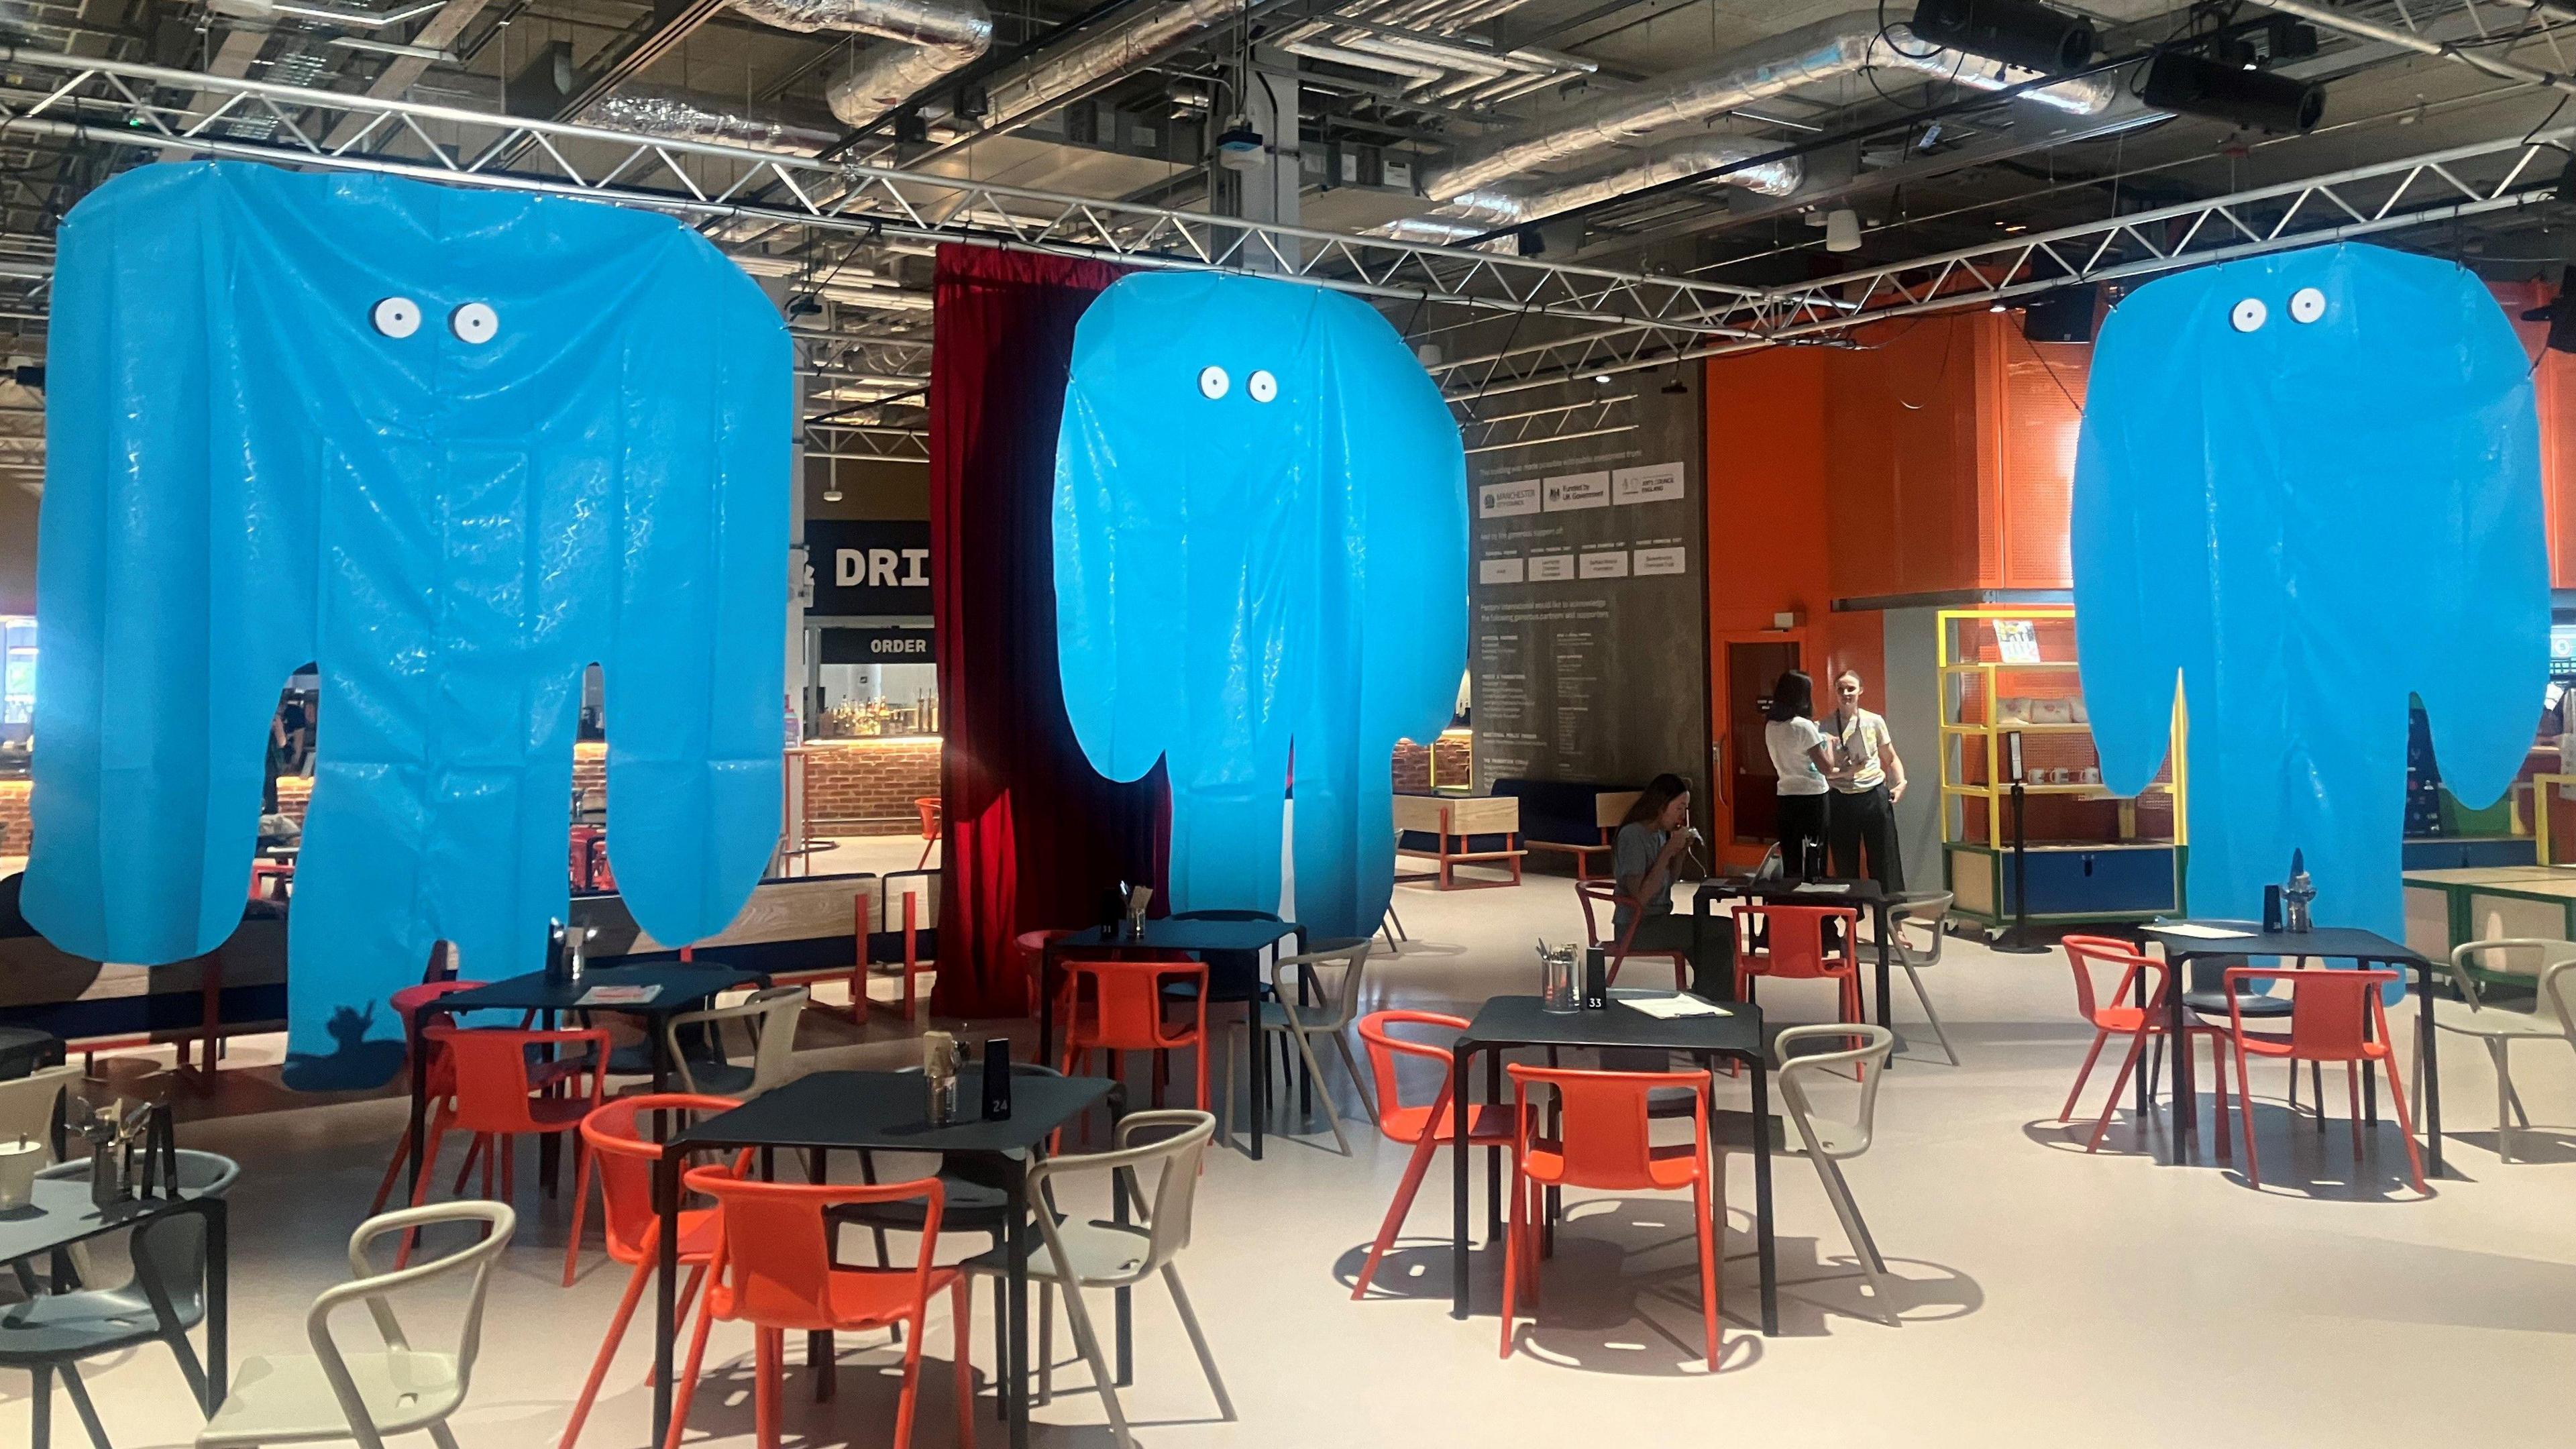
<point>1499,570</point>
<point>1656,483</point>
<point>1507,500</point>
<point>1651,561</point>
<point>1612,565</point>
<point>1578,490</point>
<point>1550,568</point>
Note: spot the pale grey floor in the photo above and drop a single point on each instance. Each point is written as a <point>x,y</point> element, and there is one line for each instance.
<point>2049,1297</point>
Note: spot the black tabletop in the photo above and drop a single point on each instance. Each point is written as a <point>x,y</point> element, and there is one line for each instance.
<point>1525,1021</point>
<point>1796,892</point>
<point>2325,941</point>
<point>889,1111</point>
<point>1168,935</point>
<point>685,985</point>
<point>59,1213</point>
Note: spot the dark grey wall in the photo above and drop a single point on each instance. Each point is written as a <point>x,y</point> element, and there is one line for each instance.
<point>1592,678</point>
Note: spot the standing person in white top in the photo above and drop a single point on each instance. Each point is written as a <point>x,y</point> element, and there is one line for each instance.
<point>1803,755</point>
<point>1863,815</point>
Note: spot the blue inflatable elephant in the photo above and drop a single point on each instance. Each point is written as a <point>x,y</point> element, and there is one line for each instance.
<point>2306,486</point>
<point>1260,547</point>
<point>453,446</point>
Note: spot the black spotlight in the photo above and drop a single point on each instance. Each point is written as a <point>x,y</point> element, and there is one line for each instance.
<point>2197,86</point>
<point>2065,315</point>
<point>911,127</point>
<point>2016,32</point>
<point>2559,314</point>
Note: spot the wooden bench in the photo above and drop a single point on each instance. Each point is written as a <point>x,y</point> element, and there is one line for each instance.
<point>1453,822</point>
<point>1550,809</point>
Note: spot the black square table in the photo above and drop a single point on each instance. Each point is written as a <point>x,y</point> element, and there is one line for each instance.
<point>1228,940</point>
<point>1868,895</point>
<point>2330,943</point>
<point>686,986</point>
<point>1510,1021</point>
<point>885,1112</point>
<point>59,1213</point>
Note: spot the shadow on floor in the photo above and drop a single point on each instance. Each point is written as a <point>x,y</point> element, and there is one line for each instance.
<point>2302,1153</point>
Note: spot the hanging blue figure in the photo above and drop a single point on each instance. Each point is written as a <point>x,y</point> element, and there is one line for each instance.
<point>2309,485</point>
<point>1260,545</point>
<point>453,447</point>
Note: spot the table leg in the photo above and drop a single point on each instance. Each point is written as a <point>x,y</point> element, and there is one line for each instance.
<point>820,1354</point>
<point>419,1097</point>
<point>1493,1155</point>
<point>1765,1250</point>
<point>1014,1386</point>
<point>2431,1106</point>
<point>666,1236</point>
<point>1886,1007</point>
<point>1260,1053</point>
<point>1459,1153</point>
<point>1046,1005</point>
<point>219,1298</point>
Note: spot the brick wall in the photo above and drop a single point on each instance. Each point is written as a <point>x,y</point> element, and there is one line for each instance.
<point>1456,752</point>
<point>866,787</point>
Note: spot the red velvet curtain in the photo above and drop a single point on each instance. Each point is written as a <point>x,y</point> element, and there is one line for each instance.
<point>1033,835</point>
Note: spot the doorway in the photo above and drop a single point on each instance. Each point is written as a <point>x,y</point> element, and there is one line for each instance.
<point>1747,814</point>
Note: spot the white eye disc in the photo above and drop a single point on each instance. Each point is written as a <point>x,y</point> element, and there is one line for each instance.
<point>2307,305</point>
<point>1263,386</point>
<point>1212,381</point>
<point>2248,316</point>
<point>474,323</point>
<point>396,316</point>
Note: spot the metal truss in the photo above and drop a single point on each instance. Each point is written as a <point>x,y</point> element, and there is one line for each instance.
<point>2456,30</point>
<point>2437,187</point>
<point>853,442</point>
<point>1588,418</point>
<point>124,104</point>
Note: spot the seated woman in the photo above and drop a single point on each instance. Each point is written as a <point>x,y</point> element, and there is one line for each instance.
<point>1645,857</point>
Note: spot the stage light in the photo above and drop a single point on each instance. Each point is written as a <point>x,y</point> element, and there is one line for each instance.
<point>2560,314</point>
<point>1239,149</point>
<point>2016,32</point>
<point>1842,230</point>
<point>2253,99</point>
<point>1602,378</point>
<point>2064,315</point>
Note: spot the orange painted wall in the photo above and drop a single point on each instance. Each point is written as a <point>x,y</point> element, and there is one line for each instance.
<point>1901,458</point>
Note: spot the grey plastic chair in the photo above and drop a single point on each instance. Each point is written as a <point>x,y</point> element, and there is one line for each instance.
<point>1925,911</point>
<point>768,1016</point>
<point>27,1103</point>
<point>333,1394</point>
<point>1331,1017</point>
<point>1825,1141</point>
<point>1075,1253</point>
<point>163,1298</point>
<point>2552,1016</point>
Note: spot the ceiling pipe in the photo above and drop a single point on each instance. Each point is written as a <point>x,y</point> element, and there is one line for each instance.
<point>932,38</point>
<point>1811,55</point>
<point>1041,81</point>
<point>1509,206</point>
<point>685,117</point>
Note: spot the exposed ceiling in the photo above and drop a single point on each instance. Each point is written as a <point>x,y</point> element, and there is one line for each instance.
<point>1645,179</point>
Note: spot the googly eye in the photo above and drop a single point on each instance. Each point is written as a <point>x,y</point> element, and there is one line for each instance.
<point>1262,386</point>
<point>2307,305</point>
<point>396,316</point>
<point>1212,382</point>
<point>2248,316</point>
<point>474,323</point>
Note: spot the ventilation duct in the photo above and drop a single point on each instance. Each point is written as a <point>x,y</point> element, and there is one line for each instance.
<point>932,38</point>
<point>1811,55</point>
<point>681,117</point>
<point>1510,205</point>
<point>1033,86</point>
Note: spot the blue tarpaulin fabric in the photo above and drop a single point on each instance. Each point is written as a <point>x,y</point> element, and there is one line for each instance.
<point>453,446</point>
<point>2308,485</point>
<point>1260,542</point>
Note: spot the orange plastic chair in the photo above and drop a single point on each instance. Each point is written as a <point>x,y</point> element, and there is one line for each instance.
<point>1117,1006</point>
<point>1426,1129</point>
<point>495,1096</point>
<point>1795,950</point>
<point>2122,1017</point>
<point>439,1080</point>
<point>773,1269</point>
<point>1606,894</point>
<point>623,1158</point>
<point>2335,1016</point>
<point>277,876</point>
<point>1032,948</point>
<point>928,805</point>
<point>1603,1144</point>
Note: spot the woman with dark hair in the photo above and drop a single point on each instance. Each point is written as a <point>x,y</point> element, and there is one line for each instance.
<point>1644,857</point>
<point>1803,755</point>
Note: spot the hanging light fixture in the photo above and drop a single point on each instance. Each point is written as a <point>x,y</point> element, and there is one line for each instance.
<point>1842,230</point>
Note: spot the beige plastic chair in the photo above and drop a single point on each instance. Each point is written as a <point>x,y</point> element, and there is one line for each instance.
<point>768,1016</point>
<point>2552,1017</point>
<point>1075,1254</point>
<point>1827,1142</point>
<point>27,1104</point>
<point>367,1396</point>
<point>1924,911</point>
<point>1337,1006</point>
